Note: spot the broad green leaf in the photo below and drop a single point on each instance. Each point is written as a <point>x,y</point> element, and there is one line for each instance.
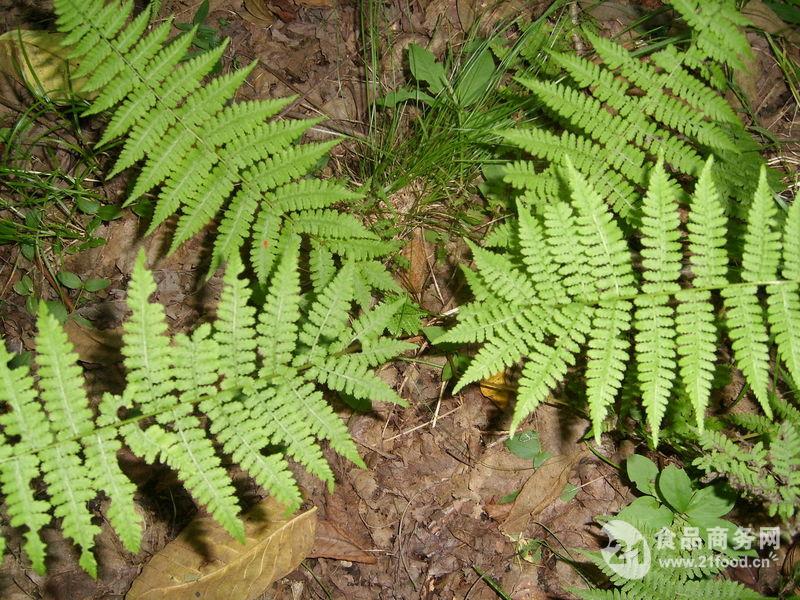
<point>642,472</point>
<point>475,79</point>
<point>424,67</point>
<point>540,459</point>
<point>403,94</point>
<point>569,492</point>
<point>647,511</point>
<point>88,206</point>
<point>710,502</point>
<point>524,444</point>
<point>95,285</point>
<point>69,280</point>
<point>24,287</point>
<point>675,488</point>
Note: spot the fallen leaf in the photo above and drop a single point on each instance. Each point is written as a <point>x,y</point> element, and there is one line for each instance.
<point>35,59</point>
<point>335,543</point>
<point>497,389</point>
<point>205,562</point>
<point>316,3</point>
<point>256,12</point>
<point>542,489</point>
<point>763,17</point>
<point>417,254</point>
<point>96,346</point>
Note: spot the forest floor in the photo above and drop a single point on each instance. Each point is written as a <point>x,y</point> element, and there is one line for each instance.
<point>427,517</point>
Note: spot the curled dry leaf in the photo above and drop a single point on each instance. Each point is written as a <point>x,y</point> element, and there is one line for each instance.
<point>417,252</point>
<point>205,562</point>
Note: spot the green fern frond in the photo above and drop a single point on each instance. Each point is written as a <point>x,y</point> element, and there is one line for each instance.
<point>573,271</point>
<point>260,389</point>
<point>717,28</point>
<point>26,420</point>
<point>617,113</point>
<point>655,319</point>
<point>206,157</point>
<point>783,312</point>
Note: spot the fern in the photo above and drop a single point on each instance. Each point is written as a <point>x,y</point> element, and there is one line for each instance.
<point>663,580</point>
<point>568,282</point>
<point>206,155</point>
<point>766,470</point>
<point>258,376</point>
<point>618,113</point>
<point>717,36</point>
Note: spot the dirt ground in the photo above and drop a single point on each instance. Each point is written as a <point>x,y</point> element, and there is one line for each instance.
<point>427,517</point>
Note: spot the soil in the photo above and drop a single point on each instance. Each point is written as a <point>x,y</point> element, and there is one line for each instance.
<point>429,512</point>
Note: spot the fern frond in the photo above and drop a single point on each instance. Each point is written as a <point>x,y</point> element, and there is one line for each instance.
<point>783,312</point>
<point>745,316</point>
<point>146,346</point>
<point>655,322</point>
<point>607,356</point>
<point>575,270</point>
<point>235,329</point>
<point>501,278</point>
<point>328,315</point>
<point>717,29</point>
<point>210,158</point>
<point>548,364</point>
<point>67,406</point>
<point>350,374</point>
<point>100,456</point>
<point>26,420</point>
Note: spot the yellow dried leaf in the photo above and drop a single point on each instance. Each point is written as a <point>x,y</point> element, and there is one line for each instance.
<point>498,389</point>
<point>35,59</point>
<point>205,562</point>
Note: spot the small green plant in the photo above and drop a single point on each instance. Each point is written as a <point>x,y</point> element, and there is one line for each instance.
<point>258,376</point>
<point>679,536</point>
<point>526,444</point>
<point>571,281</point>
<point>430,139</point>
<point>764,463</point>
<point>205,38</point>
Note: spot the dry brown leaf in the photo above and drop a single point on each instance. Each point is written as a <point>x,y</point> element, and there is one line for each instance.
<point>205,562</point>
<point>335,543</point>
<point>101,347</point>
<point>540,491</point>
<point>763,17</point>
<point>417,254</point>
<point>316,3</point>
<point>256,12</point>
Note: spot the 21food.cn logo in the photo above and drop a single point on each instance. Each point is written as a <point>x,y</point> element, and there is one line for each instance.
<point>627,553</point>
